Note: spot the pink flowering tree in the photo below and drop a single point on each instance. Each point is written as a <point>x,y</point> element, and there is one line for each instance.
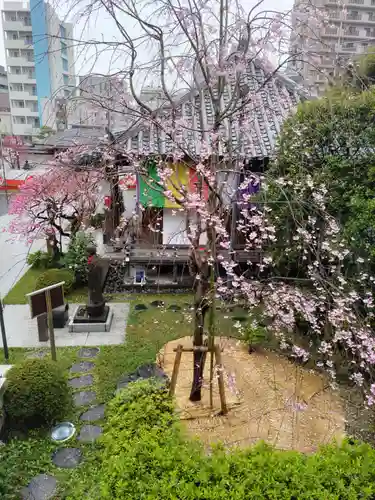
<point>230,61</point>
<point>57,202</point>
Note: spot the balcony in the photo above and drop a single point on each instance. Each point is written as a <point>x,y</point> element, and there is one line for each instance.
<point>16,26</point>
<point>22,94</point>
<point>351,33</point>
<point>22,78</point>
<point>20,61</point>
<point>24,112</point>
<point>14,44</point>
<point>24,129</point>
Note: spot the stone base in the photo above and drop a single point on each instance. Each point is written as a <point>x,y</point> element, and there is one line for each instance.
<point>82,315</point>
<point>92,324</point>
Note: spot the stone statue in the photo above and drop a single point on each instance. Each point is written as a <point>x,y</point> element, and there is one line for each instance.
<point>96,303</point>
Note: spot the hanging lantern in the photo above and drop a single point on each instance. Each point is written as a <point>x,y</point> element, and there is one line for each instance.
<point>107,201</point>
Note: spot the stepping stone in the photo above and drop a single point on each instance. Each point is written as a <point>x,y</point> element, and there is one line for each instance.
<point>151,370</point>
<point>41,487</point>
<point>174,307</point>
<point>89,433</point>
<point>140,307</point>
<point>82,366</point>
<point>68,458</point>
<point>83,381</point>
<point>94,413</point>
<point>84,398</point>
<point>241,319</point>
<point>38,354</point>
<point>88,352</point>
<point>157,303</point>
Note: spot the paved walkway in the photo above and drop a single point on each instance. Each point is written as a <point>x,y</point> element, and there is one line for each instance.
<point>22,331</point>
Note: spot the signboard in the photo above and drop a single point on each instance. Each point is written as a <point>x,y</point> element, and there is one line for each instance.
<point>127,181</point>
<point>39,302</point>
<point>43,301</point>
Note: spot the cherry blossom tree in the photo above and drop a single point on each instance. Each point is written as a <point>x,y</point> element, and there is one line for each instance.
<point>207,49</point>
<point>57,202</point>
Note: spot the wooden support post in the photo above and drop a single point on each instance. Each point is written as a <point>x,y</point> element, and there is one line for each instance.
<point>176,368</point>
<point>223,403</point>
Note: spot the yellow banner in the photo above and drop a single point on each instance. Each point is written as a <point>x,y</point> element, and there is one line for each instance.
<point>177,184</point>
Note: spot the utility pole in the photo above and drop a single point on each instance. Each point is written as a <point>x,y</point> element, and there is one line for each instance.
<point>3,334</point>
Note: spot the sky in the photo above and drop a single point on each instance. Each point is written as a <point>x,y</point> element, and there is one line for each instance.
<point>101,27</point>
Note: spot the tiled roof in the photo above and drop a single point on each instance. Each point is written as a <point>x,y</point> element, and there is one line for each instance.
<point>75,137</point>
<point>278,97</point>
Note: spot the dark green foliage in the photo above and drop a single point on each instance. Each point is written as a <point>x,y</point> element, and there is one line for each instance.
<point>53,276</point>
<point>77,255</point>
<point>333,140</point>
<point>37,394</point>
<point>97,220</point>
<point>145,455</point>
<point>41,260</point>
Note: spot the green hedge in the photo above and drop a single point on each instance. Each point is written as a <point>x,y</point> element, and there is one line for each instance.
<point>37,394</point>
<point>145,455</point>
<point>53,276</point>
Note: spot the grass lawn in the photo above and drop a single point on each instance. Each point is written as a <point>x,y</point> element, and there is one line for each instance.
<point>147,332</point>
<point>26,284</point>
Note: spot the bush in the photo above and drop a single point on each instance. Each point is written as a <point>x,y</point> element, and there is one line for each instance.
<point>76,256</point>
<point>40,260</point>
<point>97,220</point>
<point>37,394</point>
<point>53,276</point>
<point>144,454</point>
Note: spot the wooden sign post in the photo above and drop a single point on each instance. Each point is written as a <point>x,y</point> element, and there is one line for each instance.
<point>43,301</point>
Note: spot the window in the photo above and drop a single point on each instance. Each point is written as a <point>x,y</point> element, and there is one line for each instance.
<point>66,79</point>
<point>354,15</point>
<point>356,2</point>
<point>14,36</point>
<point>18,104</point>
<point>371,16</point>
<point>372,2</point>
<point>352,30</point>
<point>16,87</point>
<point>62,31</point>
<point>65,64</point>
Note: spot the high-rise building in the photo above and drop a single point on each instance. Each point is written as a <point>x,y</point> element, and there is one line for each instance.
<point>320,50</point>
<point>5,116</point>
<point>40,63</point>
<point>100,103</point>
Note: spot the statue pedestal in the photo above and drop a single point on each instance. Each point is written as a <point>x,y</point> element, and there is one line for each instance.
<point>84,321</point>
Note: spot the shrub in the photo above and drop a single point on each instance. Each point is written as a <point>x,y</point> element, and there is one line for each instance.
<point>144,454</point>
<point>40,260</point>
<point>37,394</point>
<point>97,220</point>
<point>53,276</point>
<point>76,256</point>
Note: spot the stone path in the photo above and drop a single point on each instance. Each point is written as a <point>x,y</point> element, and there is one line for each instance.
<point>43,486</point>
<point>22,330</point>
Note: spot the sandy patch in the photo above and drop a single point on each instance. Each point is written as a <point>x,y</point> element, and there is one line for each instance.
<point>269,398</point>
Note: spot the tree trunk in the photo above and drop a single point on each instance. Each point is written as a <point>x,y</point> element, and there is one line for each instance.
<point>201,307</point>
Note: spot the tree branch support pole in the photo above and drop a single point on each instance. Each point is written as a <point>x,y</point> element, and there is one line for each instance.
<point>3,334</point>
<point>50,324</point>
<point>176,368</point>
<point>211,334</point>
<point>219,362</point>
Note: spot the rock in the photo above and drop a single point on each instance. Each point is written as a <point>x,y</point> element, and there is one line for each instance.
<point>84,398</point>
<point>174,307</point>
<point>41,487</point>
<point>143,372</point>
<point>94,413</point>
<point>82,366</point>
<point>89,433</point>
<point>82,381</point>
<point>88,352</point>
<point>67,458</point>
<point>38,354</point>
<point>157,303</point>
<point>140,307</point>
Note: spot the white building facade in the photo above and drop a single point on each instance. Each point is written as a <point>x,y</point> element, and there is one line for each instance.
<point>40,63</point>
<point>322,52</point>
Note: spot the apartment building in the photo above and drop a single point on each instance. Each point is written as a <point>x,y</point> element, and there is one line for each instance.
<point>5,116</point>
<point>40,63</point>
<point>99,103</point>
<point>321,51</point>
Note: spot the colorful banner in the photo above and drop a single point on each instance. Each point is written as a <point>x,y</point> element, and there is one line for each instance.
<point>183,179</point>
